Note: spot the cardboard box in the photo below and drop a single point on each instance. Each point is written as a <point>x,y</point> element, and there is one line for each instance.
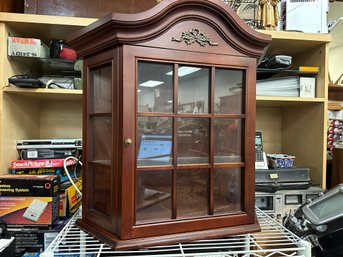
<point>307,87</point>
<point>32,240</point>
<point>37,240</point>
<point>27,47</point>
<point>29,200</point>
<point>74,199</point>
<point>70,200</point>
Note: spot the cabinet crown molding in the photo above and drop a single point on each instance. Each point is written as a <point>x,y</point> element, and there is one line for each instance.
<point>147,26</point>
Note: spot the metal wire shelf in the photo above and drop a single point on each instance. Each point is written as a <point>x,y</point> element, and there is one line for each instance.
<point>274,240</point>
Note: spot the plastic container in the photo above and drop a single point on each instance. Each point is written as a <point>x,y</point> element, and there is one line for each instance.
<point>280,160</point>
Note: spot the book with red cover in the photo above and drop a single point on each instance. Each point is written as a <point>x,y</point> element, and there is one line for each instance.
<point>43,163</point>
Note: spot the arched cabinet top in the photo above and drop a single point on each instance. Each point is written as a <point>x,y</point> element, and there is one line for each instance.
<point>209,26</point>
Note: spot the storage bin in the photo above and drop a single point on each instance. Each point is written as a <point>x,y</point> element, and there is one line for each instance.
<point>280,160</point>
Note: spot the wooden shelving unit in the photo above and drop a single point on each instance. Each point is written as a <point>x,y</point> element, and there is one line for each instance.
<point>35,113</point>
<point>296,125</point>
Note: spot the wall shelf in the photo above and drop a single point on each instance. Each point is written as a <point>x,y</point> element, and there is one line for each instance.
<point>45,93</point>
<point>275,101</point>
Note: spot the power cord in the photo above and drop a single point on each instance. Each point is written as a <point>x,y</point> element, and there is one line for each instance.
<point>67,172</point>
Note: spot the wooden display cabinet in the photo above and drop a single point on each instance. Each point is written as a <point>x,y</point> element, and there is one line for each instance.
<point>169,124</point>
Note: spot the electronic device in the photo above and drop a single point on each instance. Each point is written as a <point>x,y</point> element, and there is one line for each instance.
<point>280,203</point>
<point>32,154</point>
<point>154,149</point>
<point>261,158</point>
<point>35,210</point>
<point>320,221</point>
<point>277,61</point>
<point>26,82</point>
<point>49,144</point>
<point>58,82</point>
<point>282,179</point>
<point>305,16</point>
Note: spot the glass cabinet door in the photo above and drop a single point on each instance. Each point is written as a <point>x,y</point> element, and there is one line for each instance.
<point>190,141</point>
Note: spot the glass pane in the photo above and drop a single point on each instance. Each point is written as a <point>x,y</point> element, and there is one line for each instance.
<point>100,175</point>
<point>155,87</point>
<point>193,93</point>
<point>153,196</point>
<point>228,91</point>
<point>192,140</point>
<point>101,90</point>
<point>192,193</point>
<point>328,208</point>
<point>100,145</point>
<point>228,140</point>
<point>154,141</point>
<point>227,190</point>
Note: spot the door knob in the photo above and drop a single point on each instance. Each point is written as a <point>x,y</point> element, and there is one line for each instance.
<point>128,141</point>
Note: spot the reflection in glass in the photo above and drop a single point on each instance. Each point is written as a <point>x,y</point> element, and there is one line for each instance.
<point>100,177</point>
<point>153,196</point>
<point>155,87</point>
<point>101,90</point>
<point>192,140</point>
<point>227,190</point>
<point>193,94</point>
<point>228,91</point>
<point>192,187</point>
<point>101,131</point>
<point>154,141</point>
<point>228,140</point>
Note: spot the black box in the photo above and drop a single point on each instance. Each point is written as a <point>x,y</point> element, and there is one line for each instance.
<point>281,179</point>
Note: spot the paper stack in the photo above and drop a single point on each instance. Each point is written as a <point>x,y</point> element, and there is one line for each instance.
<point>283,86</point>
<point>292,86</point>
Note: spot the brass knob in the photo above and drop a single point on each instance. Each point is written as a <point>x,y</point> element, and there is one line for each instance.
<point>128,141</point>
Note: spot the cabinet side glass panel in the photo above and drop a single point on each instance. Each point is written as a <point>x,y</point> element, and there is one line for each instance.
<point>155,87</point>
<point>100,130</point>
<point>101,89</point>
<point>101,192</point>
<point>227,190</point>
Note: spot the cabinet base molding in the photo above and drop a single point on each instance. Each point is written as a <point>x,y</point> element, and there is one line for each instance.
<point>136,243</point>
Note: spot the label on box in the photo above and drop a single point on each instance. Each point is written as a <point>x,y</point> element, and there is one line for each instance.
<point>307,87</point>
<point>44,163</point>
<point>29,185</point>
<point>26,47</point>
<point>28,210</point>
<point>45,171</point>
